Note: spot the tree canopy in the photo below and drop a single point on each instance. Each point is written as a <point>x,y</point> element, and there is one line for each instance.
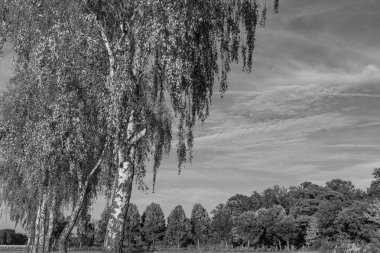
<point>200,223</point>
<point>107,80</point>
<point>178,226</point>
<point>153,223</point>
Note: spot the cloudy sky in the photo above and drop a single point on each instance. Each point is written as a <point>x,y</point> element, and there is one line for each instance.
<point>309,112</point>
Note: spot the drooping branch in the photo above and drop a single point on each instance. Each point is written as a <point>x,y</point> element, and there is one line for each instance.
<point>107,44</point>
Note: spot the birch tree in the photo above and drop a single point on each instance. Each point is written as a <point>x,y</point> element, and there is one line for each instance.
<point>157,60</point>
<point>29,161</point>
<point>53,128</point>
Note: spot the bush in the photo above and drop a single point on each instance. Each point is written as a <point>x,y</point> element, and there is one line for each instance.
<point>19,239</point>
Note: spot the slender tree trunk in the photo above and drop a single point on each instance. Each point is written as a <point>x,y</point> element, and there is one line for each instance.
<point>198,243</point>
<point>41,247</point>
<point>62,247</point>
<point>39,232</point>
<point>80,228</point>
<point>35,240</point>
<point>287,243</point>
<point>30,233</point>
<point>51,224</point>
<point>119,208</point>
<point>279,244</point>
<point>71,223</point>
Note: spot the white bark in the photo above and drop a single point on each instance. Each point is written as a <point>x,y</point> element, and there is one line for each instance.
<point>39,227</point>
<point>51,224</point>
<point>42,236</point>
<point>35,239</point>
<point>122,193</point>
<point>119,206</point>
<point>30,237</point>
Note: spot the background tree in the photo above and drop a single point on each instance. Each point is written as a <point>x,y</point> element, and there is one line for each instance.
<point>312,232</point>
<point>85,231</point>
<point>269,218</point>
<point>200,223</point>
<point>239,204</point>
<point>327,213</point>
<point>373,215</point>
<point>354,222</point>
<point>302,223</point>
<point>346,188</point>
<point>287,230</point>
<point>221,223</point>
<point>374,190</point>
<point>101,226</point>
<point>133,225</point>
<point>256,200</point>
<point>153,224</point>
<point>275,195</point>
<point>178,226</point>
<point>60,223</point>
<point>249,227</point>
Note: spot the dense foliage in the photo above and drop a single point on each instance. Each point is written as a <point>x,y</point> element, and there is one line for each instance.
<point>336,215</point>
<point>97,87</point>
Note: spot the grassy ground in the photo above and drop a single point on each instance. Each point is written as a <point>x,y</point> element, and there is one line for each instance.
<point>22,249</point>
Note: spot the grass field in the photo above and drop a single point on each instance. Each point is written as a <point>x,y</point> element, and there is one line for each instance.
<point>22,249</point>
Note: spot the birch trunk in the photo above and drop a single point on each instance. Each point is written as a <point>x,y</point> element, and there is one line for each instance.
<point>42,234</point>
<point>35,239</point>
<point>30,234</point>
<point>51,224</point>
<point>122,194</point>
<point>123,189</point>
<point>39,227</point>
<point>62,247</point>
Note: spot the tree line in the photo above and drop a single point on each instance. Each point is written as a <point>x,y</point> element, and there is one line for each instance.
<point>97,88</point>
<point>306,216</point>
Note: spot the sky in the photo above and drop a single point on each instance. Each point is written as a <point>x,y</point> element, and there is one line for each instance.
<point>310,111</point>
